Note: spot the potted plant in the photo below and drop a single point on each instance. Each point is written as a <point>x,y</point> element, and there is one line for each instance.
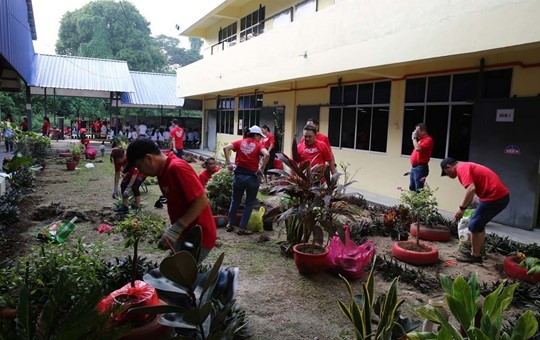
<point>462,298</point>
<point>134,228</point>
<point>316,203</point>
<point>76,152</point>
<point>200,303</point>
<point>422,205</point>
<point>522,267</point>
<point>71,164</point>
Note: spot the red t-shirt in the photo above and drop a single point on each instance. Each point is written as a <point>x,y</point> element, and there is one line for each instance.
<point>318,153</point>
<point>205,176</point>
<point>321,138</point>
<point>119,165</point>
<point>247,153</point>
<point>180,185</point>
<point>488,186</point>
<point>46,127</point>
<point>423,157</point>
<point>268,140</point>
<point>177,134</point>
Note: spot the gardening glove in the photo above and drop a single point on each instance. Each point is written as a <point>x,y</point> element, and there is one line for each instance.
<point>115,192</point>
<point>127,192</point>
<point>414,134</point>
<point>172,234</point>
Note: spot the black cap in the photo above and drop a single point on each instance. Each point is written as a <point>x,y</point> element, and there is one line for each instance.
<point>446,162</point>
<point>139,148</point>
<point>175,121</point>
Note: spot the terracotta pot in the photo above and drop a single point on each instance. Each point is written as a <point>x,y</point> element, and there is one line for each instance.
<point>71,165</point>
<point>438,233</point>
<point>310,258</point>
<point>511,268</point>
<point>415,257</point>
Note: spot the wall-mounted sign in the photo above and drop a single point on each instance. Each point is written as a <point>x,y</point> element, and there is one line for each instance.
<point>512,150</point>
<point>505,115</point>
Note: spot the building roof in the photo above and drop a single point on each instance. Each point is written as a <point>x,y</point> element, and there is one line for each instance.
<point>79,73</point>
<point>152,89</point>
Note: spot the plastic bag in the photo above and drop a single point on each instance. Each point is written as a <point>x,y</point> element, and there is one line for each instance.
<point>128,297</point>
<point>57,231</point>
<point>255,222</point>
<point>349,259</point>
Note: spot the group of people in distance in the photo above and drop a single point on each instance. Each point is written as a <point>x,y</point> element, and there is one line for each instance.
<point>475,178</point>
<point>188,205</point>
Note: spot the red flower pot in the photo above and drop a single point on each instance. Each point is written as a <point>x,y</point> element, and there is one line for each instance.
<point>437,233</point>
<point>71,165</point>
<point>415,257</point>
<point>511,268</point>
<point>310,258</point>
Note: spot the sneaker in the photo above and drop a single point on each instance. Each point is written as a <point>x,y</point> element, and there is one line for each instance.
<point>470,259</point>
<point>230,228</point>
<point>242,231</point>
<point>135,208</point>
<point>121,209</point>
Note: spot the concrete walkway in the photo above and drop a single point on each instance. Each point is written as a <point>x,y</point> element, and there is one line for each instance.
<point>517,234</point>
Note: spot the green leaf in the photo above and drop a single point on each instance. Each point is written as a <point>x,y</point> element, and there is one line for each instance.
<point>180,268</point>
<point>525,327</point>
<point>212,279</point>
<point>198,315</point>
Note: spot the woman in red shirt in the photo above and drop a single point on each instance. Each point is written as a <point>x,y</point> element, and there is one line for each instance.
<point>46,128</point>
<point>208,171</point>
<point>247,174</point>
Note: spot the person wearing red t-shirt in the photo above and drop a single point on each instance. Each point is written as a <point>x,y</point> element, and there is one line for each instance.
<point>247,174</point>
<point>130,184</point>
<point>493,194</point>
<point>118,158</point>
<point>319,136</point>
<point>269,142</point>
<point>187,204</point>
<point>177,139</point>
<point>24,124</point>
<point>313,151</point>
<point>423,147</point>
<point>208,171</point>
<point>46,127</point>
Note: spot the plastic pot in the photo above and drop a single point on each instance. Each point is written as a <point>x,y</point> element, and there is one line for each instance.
<point>71,165</point>
<point>310,258</point>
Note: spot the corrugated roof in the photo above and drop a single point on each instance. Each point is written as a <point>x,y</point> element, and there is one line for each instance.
<point>79,73</point>
<point>153,89</point>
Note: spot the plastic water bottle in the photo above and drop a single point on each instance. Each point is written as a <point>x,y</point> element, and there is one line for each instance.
<point>65,230</point>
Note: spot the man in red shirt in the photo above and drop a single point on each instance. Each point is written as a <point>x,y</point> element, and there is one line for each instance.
<point>187,204</point>
<point>314,151</point>
<point>423,147</point>
<point>247,174</point>
<point>493,194</point>
<point>177,139</point>
<point>208,171</point>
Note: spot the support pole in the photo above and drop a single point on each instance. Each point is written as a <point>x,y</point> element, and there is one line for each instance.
<point>28,107</point>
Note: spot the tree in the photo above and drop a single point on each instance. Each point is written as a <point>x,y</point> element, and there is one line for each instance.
<point>111,30</point>
<point>177,56</point>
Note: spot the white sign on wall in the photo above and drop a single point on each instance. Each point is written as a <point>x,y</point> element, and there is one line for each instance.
<point>505,115</point>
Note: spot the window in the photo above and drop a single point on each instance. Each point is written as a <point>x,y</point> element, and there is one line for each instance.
<point>225,115</point>
<point>228,34</point>
<point>443,103</point>
<point>358,116</point>
<point>252,24</point>
<point>249,111</point>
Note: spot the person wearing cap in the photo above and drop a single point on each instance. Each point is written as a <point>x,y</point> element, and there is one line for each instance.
<point>177,139</point>
<point>493,194</point>
<point>247,174</point>
<point>314,151</point>
<point>187,204</point>
<point>421,154</point>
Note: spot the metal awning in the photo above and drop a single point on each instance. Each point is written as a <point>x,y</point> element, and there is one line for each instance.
<point>152,90</point>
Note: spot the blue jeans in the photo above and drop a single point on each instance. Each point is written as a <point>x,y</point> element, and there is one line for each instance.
<point>485,212</point>
<point>418,177</point>
<point>249,184</point>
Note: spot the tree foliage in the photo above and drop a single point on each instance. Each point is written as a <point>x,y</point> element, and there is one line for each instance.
<point>177,56</point>
<point>111,30</point>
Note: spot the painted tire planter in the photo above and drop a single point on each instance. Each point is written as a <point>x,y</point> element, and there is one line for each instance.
<point>64,154</point>
<point>511,268</point>
<point>438,234</point>
<point>310,263</point>
<point>415,257</point>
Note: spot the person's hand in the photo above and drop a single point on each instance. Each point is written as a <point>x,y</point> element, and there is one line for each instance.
<point>115,193</point>
<point>174,150</point>
<point>414,134</point>
<point>260,175</point>
<point>458,215</point>
<point>170,236</point>
<point>230,167</point>
<point>127,192</point>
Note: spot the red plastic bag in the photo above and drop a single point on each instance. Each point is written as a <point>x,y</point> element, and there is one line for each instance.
<point>349,259</point>
<point>128,297</point>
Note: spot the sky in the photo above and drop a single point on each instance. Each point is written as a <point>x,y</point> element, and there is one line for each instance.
<point>163,16</point>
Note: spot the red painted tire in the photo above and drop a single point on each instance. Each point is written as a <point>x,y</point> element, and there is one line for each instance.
<point>512,269</point>
<point>308,263</point>
<point>414,257</point>
<point>64,154</point>
<point>431,234</point>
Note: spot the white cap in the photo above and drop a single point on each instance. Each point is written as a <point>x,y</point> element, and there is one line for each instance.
<point>256,129</point>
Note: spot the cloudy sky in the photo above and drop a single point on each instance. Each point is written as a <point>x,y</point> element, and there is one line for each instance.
<point>163,16</point>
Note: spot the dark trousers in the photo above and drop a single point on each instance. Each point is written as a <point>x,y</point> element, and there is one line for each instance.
<point>250,185</point>
<point>418,177</point>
